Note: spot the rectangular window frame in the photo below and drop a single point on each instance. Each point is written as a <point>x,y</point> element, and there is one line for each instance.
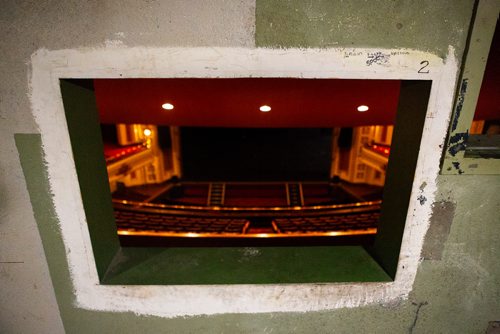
<point>87,272</point>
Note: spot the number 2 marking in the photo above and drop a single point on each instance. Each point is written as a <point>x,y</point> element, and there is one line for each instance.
<point>425,63</point>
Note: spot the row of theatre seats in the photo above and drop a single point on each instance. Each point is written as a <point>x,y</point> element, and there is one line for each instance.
<point>141,222</point>
<point>132,221</point>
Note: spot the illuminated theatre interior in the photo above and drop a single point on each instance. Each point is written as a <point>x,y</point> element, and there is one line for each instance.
<point>247,161</point>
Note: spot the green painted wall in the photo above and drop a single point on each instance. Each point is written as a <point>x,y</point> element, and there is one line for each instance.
<point>425,25</point>
<point>457,288</point>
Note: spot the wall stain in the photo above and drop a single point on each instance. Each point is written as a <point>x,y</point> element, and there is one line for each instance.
<point>493,327</point>
<point>439,229</point>
<point>422,186</point>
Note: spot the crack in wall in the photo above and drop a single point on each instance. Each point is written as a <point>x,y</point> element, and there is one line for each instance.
<point>415,319</point>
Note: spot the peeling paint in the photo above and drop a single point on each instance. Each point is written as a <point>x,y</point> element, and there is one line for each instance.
<point>458,142</point>
<point>460,103</point>
<point>456,165</point>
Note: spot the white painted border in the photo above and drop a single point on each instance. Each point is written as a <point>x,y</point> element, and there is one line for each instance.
<point>170,301</point>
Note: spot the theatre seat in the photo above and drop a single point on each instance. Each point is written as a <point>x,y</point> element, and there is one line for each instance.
<point>327,224</point>
<point>176,225</point>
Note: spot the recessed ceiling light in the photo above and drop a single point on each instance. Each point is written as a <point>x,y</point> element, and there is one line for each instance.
<point>147,132</point>
<point>265,108</point>
<point>167,106</point>
<point>363,108</point>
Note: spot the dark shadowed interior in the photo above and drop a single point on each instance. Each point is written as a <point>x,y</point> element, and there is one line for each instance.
<point>256,154</point>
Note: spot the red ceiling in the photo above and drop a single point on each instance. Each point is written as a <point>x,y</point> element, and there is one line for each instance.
<point>235,102</point>
<point>294,102</point>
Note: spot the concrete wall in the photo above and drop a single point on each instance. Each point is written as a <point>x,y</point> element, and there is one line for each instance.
<point>457,288</point>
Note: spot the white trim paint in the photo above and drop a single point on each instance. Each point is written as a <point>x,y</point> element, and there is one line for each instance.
<point>47,67</point>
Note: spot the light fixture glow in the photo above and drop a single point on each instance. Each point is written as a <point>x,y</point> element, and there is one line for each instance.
<point>265,108</point>
<point>167,106</point>
<point>363,108</point>
<point>147,132</point>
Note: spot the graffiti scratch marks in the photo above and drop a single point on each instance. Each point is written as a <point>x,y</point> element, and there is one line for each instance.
<point>378,58</point>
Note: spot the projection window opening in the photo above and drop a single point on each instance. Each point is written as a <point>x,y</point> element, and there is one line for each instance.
<point>217,171</point>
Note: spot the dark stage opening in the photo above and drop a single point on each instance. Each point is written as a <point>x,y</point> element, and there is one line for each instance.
<point>256,154</point>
